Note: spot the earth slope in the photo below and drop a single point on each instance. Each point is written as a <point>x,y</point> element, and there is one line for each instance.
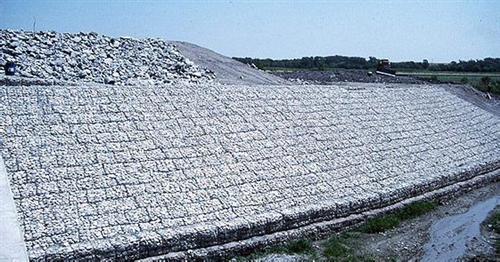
<point>226,69</point>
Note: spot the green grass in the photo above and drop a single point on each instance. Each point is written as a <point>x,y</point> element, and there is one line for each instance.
<point>418,72</point>
<point>338,248</point>
<point>343,247</point>
<point>495,222</point>
<point>416,209</point>
<point>473,79</point>
<point>298,247</point>
<point>391,221</point>
<point>291,69</point>
<point>381,224</point>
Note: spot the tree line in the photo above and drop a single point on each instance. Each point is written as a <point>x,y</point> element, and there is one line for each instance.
<point>349,62</point>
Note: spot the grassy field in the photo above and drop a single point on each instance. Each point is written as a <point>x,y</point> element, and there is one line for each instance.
<point>443,76</point>
<point>291,69</point>
<point>450,76</point>
<point>474,79</point>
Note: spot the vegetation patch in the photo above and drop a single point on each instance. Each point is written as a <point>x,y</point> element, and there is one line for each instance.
<point>298,247</point>
<point>341,247</point>
<point>416,209</point>
<point>344,247</point>
<point>391,221</point>
<point>381,224</point>
<point>352,62</point>
<point>495,223</point>
<point>486,82</point>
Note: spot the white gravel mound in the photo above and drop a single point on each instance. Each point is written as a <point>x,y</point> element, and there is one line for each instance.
<point>90,57</point>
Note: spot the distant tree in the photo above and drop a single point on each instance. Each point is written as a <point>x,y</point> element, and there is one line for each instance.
<point>495,87</point>
<point>425,64</point>
<point>486,83</point>
<point>372,62</point>
<point>349,62</point>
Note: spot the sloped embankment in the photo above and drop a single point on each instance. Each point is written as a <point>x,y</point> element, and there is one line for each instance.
<point>227,70</point>
<point>130,172</point>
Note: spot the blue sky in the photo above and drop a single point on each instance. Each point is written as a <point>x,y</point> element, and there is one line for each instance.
<point>440,31</point>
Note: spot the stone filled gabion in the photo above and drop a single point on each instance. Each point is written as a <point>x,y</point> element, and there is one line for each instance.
<point>124,172</point>
<point>90,57</point>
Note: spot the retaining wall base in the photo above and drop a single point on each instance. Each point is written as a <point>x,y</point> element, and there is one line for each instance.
<point>322,229</point>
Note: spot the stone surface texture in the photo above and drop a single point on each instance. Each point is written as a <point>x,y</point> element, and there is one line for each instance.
<point>107,172</point>
<point>90,57</point>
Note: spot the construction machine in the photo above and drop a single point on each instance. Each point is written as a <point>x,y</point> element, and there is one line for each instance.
<point>384,68</point>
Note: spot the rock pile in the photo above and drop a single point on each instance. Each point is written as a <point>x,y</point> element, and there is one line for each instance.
<point>90,57</point>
